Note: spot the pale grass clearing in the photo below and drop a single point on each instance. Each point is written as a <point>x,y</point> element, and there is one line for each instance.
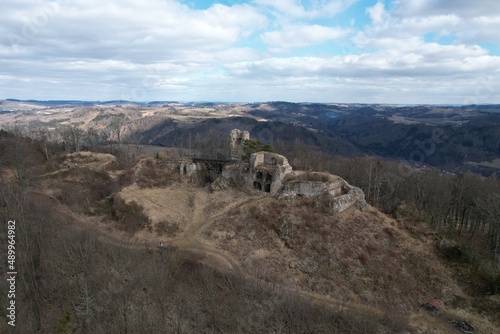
<point>170,204</point>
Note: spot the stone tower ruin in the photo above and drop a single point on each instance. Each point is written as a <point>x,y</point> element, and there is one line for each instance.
<point>270,174</point>
<point>238,137</point>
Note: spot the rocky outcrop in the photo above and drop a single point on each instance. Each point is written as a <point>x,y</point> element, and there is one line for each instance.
<point>341,194</point>
<point>355,196</point>
<point>268,172</point>
<point>191,168</point>
<point>238,137</point>
<point>222,184</point>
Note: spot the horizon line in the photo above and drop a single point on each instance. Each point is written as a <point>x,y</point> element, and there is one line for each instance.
<point>242,102</point>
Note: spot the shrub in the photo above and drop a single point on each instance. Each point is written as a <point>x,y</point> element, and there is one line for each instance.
<point>86,191</point>
<point>130,216</point>
<point>101,185</point>
<point>455,254</point>
<point>126,179</point>
<point>363,258</point>
<point>65,323</point>
<point>256,213</point>
<point>390,232</point>
<point>252,146</point>
<point>395,322</point>
<point>166,228</point>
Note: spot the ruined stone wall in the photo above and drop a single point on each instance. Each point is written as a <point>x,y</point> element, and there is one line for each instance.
<point>342,194</point>
<point>355,196</point>
<point>267,171</point>
<point>306,188</point>
<point>238,137</point>
<point>271,173</point>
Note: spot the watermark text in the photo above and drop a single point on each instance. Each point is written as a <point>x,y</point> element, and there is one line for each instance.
<point>11,273</point>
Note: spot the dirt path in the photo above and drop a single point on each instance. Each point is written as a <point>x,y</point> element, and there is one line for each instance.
<point>98,162</point>
<point>191,240</point>
<point>197,210</point>
<point>214,257</point>
<point>233,206</point>
<point>200,201</point>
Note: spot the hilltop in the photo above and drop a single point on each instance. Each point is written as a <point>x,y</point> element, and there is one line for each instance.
<point>235,257</point>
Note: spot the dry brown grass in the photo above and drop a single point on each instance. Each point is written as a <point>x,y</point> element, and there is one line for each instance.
<point>161,204</point>
<point>130,216</point>
<point>164,228</point>
<point>365,251</point>
<point>147,174</point>
<point>356,257</point>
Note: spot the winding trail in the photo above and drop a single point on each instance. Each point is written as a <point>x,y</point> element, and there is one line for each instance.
<point>191,240</point>
<point>200,202</point>
<point>204,212</point>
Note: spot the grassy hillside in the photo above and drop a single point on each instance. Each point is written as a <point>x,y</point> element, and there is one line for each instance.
<point>88,260</point>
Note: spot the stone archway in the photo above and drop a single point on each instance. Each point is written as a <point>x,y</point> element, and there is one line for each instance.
<point>257,185</point>
<point>269,178</point>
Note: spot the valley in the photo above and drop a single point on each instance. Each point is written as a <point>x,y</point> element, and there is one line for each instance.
<point>113,221</point>
<point>451,138</point>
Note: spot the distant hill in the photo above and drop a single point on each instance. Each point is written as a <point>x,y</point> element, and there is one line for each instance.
<point>79,103</point>
<point>444,136</point>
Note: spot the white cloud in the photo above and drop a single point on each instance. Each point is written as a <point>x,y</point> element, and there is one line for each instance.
<point>308,9</point>
<point>299,36</point>
<point>414,50</point>
<point>385,24</point>
<point>469,21</point>
<point>141,31</point>
<point>462,8</point>
<point>377,13</point>
<point>398,48</point>
<point>236,54</point>
<point>120,46</point>
<point>416,59</point>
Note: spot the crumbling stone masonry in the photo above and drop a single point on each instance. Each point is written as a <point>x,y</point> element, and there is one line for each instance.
<point>266,171</point>
<point>341,194</point>
<point>238,137</point>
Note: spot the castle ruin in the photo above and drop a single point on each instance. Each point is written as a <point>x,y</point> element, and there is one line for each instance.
<point>267,171</point>
<point>238,137</point>
<point>270,173</point>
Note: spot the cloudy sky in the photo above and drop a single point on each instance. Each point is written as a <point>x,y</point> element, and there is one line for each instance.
<point>372,51</point>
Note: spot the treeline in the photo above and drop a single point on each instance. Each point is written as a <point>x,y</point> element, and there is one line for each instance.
<point>104,132</point>
<point>462,204</point>
<point>466,205</point>
<point>73,280</point>
<point>73,138</point>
